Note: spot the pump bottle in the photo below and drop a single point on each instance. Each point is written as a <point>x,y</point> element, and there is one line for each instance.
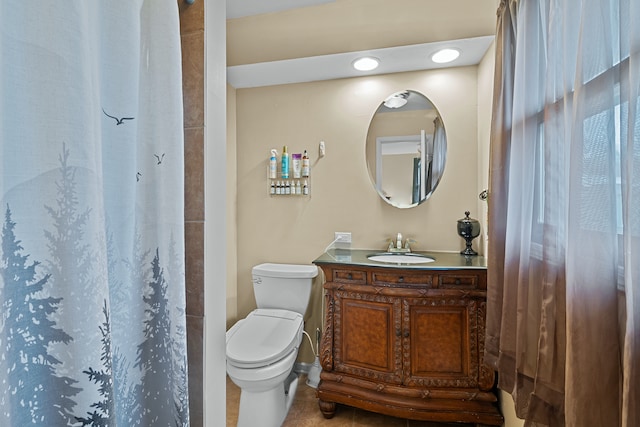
<point>273,165</point>
<point>305,164</point>
<point>285,163</point>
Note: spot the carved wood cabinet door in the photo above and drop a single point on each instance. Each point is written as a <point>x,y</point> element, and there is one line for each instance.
<point>367,336</point>
<point>440,342</point>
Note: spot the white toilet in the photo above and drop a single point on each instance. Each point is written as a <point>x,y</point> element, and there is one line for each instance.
<point>262,348</point>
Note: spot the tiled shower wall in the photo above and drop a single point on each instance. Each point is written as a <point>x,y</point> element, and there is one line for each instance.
<point>192,38</point>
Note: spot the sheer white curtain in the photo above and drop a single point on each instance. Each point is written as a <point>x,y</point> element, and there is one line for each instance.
<point>563,327</point>
<point>92,297</point>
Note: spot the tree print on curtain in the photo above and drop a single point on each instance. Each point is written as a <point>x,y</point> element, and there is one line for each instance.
<point>31,391</point>
<point>146,386</point>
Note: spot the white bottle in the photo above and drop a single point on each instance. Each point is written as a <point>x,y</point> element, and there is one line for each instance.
<point>273,164</point>
<point>298,188</point>
<point>296,164</point>
<point>305,188</point>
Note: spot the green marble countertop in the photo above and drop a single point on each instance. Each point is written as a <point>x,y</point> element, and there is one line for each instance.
<point>443,260</point>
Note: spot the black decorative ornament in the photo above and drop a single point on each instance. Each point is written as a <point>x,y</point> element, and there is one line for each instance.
<point>468,229</point>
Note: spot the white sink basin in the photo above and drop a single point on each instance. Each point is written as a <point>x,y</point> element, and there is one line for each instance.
<point>392,258</point>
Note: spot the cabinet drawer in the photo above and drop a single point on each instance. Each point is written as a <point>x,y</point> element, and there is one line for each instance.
<point>455,281</point>
<point>350,276</point>
<point>385,278</point>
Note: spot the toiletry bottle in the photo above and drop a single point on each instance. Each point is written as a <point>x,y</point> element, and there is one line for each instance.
<point>273,164</point>
<point>305,188</point>
<point>305,164</point>
<point>287,188</point>
<point>285,163</point>
<point>273,188</point>
<point>296,164</point>
<point>298,188</point>
<point>278,188</point>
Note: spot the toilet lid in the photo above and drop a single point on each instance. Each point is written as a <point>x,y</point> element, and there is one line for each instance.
<point>265,336</point>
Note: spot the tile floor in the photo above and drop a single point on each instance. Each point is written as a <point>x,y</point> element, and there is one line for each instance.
<point>305,412</point>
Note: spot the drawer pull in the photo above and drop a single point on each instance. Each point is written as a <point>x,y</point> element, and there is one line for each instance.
<point>400,279</point>
<point>398,332</point>
<point>350,276</point>
<point>406,333</point>
<point>448,281</point>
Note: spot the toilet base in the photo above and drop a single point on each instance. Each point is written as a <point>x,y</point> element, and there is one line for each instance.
<point>267,408</point>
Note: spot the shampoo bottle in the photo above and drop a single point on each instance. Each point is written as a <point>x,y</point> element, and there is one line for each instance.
<point>285,163</point>
<point>296,164</point>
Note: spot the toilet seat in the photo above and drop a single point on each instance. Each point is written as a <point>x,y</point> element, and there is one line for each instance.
<point>263,337</point>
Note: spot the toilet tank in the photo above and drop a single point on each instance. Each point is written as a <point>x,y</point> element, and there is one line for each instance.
<point>283,286</point>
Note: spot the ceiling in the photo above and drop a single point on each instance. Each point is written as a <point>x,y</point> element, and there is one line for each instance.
<point>272,42</point>
<point>242,8</point>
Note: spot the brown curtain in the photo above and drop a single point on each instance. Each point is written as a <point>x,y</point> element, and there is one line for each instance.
<point>563,314</point>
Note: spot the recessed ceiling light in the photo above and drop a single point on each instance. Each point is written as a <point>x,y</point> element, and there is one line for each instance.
<point>366,63</point>
<point>445,55</point>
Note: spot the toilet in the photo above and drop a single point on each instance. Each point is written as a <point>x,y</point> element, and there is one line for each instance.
<point>262,348</point>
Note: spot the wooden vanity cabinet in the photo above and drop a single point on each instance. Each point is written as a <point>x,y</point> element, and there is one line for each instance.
<point>406,343</point>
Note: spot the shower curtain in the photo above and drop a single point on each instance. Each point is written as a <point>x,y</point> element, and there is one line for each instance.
<point>92,314</point>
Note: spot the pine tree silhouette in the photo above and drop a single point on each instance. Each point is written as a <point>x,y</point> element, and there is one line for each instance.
<point>129,290</point>
<point>69,264</point>
<point>128,409</point>
<point>102,416</point>
<point>175,274</point>
<point>181,392</point>
<point>182,397</point>
<point>34,393</point>
<point>155,354</point>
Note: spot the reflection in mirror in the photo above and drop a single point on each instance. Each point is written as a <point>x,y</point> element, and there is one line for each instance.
<point>406,149</point>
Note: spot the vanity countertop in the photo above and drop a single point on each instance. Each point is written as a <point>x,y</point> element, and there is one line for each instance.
<point>442,260</point>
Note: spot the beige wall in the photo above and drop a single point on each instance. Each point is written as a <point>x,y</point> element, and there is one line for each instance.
<point>297,229</point>
<point>485,101</point>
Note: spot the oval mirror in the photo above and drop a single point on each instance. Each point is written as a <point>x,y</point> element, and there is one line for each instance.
<point>406,149</point>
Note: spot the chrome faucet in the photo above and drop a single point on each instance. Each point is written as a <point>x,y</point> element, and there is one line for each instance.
<point>398,247</point>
